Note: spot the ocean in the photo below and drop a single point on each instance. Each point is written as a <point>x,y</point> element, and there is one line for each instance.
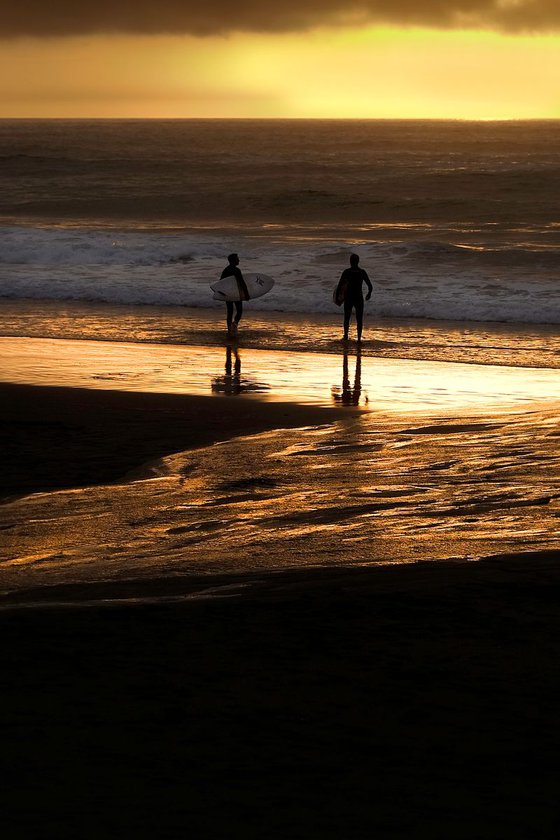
<point>453,220</point>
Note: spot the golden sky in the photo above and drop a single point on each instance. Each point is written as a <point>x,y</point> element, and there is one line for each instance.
<point>303,59</point>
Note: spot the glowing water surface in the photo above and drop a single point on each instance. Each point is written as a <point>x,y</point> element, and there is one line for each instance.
<point>390,385</point>
<point>366,490</point>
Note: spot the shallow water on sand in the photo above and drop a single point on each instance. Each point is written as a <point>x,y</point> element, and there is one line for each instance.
<point>365,490</point>
<point>388,385</point>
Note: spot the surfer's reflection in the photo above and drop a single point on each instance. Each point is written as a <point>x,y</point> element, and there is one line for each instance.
<point>349,394</point>
<point>231,382</point>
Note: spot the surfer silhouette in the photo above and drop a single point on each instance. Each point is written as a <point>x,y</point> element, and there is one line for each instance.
<point>233,270</point>
<point>349,291</point>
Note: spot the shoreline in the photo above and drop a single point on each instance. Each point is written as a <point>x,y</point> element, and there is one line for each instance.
<point>423,339</point>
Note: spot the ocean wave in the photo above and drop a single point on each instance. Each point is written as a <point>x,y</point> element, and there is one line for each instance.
<point>418,279</point>
<point>81,247</point>
<point>85,246</point>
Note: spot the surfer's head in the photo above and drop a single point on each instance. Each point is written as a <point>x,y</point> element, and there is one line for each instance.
<point>233,259</point>
<point>354,260</point>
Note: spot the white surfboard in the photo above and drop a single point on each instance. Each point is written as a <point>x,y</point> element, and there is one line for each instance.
<point>227,288</point>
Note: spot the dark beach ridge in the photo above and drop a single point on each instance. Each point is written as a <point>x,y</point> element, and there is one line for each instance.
<point>392,702</point>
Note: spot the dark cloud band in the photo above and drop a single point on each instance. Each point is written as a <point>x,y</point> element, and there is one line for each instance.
<point>38,18</point>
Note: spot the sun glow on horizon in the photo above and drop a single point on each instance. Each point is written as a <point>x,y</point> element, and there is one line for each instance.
<point>366,72</point>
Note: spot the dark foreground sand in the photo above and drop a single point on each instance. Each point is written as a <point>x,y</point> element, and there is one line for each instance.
<point>400,702</point>
<point>392,703</point>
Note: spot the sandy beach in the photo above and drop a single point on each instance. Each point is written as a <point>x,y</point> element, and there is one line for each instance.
<point>74,437</point>
<point>414,700</point>
<point>280,585</point>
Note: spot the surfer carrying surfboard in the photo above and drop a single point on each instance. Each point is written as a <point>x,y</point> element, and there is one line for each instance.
<point>349,292</point>
<point>233,270</point>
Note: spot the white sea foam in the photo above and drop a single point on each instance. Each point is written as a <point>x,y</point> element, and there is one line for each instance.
<point>425,279</point>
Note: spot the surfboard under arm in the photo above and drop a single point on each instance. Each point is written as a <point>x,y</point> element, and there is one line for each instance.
<point>227,289</point>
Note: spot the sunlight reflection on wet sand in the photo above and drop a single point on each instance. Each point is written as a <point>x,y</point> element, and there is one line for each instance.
<point>390,385</point>
<point>364,490</point>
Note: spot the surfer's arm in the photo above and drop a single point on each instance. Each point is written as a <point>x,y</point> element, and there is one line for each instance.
<point>244,291</point>
<point>368,284</point>
<point>341,282</point>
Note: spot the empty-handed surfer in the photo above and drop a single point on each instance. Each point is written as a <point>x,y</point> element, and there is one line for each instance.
<point>233,270</point>
<point>349,290</point>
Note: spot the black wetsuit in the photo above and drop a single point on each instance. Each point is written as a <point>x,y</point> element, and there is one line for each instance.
<point>353,278</point>
<point>234,271</point>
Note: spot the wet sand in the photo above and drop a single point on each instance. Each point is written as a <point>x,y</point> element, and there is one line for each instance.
<point>406,701</point>
<point>523,345</point>
<point>76,437</point>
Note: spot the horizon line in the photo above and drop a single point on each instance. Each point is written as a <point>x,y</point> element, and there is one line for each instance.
<point>289,119</point>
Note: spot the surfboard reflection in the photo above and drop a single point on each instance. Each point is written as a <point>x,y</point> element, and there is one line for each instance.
<point>349,394</point>
<point>232,383</point>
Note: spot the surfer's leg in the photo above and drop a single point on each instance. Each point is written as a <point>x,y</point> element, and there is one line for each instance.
<point>359,305</point>
<point>348,304</point>
<point>229,314</point>
<point>238,311</point>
